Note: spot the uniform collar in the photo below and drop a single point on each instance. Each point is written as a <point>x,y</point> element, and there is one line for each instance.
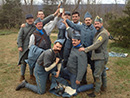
<point>41,31</point>
<point>88,27</point>
<point>78,46</point>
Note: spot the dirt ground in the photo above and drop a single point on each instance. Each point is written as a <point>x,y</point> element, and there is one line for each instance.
<point>118,84</point>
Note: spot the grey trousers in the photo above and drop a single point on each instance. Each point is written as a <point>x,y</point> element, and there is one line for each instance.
<point>100,74</point>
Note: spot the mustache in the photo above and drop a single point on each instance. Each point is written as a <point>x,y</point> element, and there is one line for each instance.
<point>56,50</point>
<point>97,27</point>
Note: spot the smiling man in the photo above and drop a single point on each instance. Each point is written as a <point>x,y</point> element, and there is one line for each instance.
<point>23,42</point>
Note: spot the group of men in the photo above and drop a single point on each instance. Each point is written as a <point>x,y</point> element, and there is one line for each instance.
<point>78,44</point>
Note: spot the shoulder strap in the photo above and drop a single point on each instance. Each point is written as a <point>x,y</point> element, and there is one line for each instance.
<point>27,33</point>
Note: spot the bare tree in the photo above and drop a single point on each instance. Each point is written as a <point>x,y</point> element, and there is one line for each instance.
<point>29,6</point>
<point>76,5</point>
<point>3,2</point>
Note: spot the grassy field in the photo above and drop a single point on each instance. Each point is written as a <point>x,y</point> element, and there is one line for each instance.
<point>118,76</point>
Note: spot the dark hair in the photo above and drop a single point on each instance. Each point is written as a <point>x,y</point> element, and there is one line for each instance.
<point>39,11</point>
<point>76,13</point>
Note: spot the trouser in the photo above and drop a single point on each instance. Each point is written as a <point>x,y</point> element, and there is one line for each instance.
<point>41,78</point>
<point>72,77</point>
<point>91,62</point>
<point>100,74</point>
<point>23,68</point>
<point>67,50</point>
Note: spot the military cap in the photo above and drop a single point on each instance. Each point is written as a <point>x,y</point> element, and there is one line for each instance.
<point>87,15</point>
<point>29,16</point>
<point>37,20</point>
<point>98,19</point>
<point>76,36</point>
<point>61,41</point>
<point>67,13</point>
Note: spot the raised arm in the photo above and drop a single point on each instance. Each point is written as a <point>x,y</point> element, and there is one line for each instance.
<point>49,18</point>
<point>50,26</point>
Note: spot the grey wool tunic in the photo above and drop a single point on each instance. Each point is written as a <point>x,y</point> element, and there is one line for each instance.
<point>23,40</point>
<point>77,63</point>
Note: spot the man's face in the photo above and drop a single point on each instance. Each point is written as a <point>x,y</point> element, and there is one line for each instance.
<point>75,18</point>
<point>30,20</point>
<point>39,25</point>
<point>98,25</point>
<point>40,15</point>
<point>88,21</point>
<point>67,17</point>
<point>75,42</point>
<point>57,47</point>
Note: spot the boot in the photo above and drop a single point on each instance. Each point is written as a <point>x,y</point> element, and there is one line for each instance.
<point>32,77</point>
<point>103,88</point>
<point>22,78</point>
<point>94,94</point>
<point>22,85</point>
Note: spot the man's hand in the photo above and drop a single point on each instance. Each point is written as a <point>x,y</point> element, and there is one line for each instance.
<point>63,16</point>
<point>81,49</point>
<point>57,74</point>
<point>77,82</point>
<point>57,11</point>
<point>57,60</point>
<point>23,25</point>
<point>20,49</point>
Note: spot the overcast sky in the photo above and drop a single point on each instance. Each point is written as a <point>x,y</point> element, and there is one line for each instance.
<point>102,1</point>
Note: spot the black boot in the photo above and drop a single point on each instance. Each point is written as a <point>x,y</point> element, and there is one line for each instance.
<point>22,85</point>
<point>94,94</point>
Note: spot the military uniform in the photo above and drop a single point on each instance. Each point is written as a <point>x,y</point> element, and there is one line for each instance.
<point>100,57</point>
<point>23,41</point>
<point>87,35</point>
<point>46,59</point>
<point>44,66</point>
<point>68,44</point>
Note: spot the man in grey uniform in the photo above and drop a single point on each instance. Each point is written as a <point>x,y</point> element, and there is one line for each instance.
<point>99,55</point>
<point>23,42</point>
<point>45,65</point>
<point>76,65</point>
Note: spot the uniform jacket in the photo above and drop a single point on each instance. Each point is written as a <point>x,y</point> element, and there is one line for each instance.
<point>87,33</point>
<point>99,46</point>
<point>23,40</point>
<point>47,58</point>
<point>77,63</point>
